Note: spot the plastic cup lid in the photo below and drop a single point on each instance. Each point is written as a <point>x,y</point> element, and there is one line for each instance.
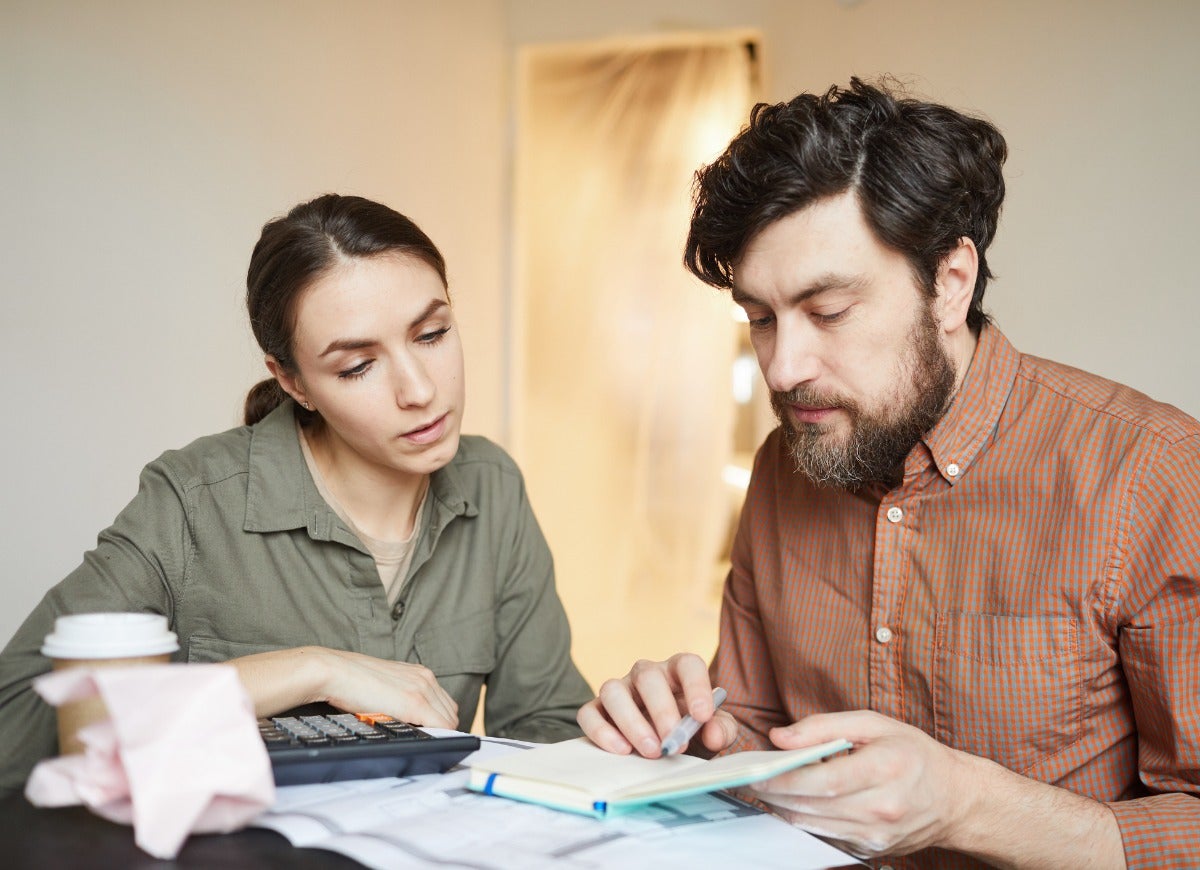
<point>109,636</point>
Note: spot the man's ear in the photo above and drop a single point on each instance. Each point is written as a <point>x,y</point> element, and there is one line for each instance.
<point>292,385</point>
<point>956,285</point>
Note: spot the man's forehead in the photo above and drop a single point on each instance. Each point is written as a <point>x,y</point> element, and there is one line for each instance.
<point>828,245</point>
<point>844,206</point>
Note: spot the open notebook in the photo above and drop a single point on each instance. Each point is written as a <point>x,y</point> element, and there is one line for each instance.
<point>578,776</point>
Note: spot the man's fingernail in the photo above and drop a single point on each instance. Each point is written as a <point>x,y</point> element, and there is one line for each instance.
<point>649,747</point>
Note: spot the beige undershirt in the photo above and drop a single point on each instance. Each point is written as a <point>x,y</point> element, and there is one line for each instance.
<point>392,558</point>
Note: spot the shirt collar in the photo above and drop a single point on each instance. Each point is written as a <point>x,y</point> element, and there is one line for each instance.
<point>446,486</point>
<point>281,494</point>
<point>975,411</point>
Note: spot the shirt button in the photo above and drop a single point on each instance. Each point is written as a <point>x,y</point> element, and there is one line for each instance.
<point>895,515</point>
<point>883,634</point>
<point>398,610</point>
<point>952,469</point>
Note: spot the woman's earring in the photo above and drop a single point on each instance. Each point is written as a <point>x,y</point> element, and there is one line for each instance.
<point>307,406</point>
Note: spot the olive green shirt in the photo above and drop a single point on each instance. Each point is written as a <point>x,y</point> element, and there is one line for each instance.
<point>229,539</point>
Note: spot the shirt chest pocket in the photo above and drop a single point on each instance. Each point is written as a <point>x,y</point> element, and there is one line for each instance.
<point>461,645</point>
<point>1007,687</point>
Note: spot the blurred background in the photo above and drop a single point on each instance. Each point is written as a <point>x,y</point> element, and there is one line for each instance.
<point>547,146</point>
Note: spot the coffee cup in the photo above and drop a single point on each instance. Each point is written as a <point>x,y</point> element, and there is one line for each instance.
<point>98,640</point>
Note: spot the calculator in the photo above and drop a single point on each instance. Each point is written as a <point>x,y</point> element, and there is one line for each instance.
<point>319,743</point>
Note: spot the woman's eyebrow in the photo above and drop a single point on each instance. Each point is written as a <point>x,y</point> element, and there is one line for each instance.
<point>346,344</point>
<point>359,343</point>
<point>434,305</point>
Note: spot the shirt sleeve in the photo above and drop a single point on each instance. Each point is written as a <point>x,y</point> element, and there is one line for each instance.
<point>535,690</point>
<point>127,571</point>
<point>1158,610</point>
<point>742,664</point>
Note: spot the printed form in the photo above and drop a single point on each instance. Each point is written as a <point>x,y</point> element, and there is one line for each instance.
<point>435,821</point>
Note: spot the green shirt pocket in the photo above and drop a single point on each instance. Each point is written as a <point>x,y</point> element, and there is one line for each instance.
<point>206,650</point>
<point>462,645</point>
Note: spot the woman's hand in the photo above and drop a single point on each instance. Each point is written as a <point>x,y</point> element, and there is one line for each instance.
<point>350,681</point>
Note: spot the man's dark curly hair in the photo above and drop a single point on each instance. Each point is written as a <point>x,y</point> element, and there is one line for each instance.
<point>924,174</point>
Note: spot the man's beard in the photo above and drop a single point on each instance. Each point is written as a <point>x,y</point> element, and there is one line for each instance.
<point>878,442</point>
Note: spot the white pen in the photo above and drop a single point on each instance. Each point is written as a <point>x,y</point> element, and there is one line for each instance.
<point>687,728</point>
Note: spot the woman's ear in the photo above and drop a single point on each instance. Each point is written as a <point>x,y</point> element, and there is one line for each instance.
<point>292,385</point>
<point>956,285</point>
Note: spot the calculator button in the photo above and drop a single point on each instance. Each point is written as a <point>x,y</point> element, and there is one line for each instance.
<point>374,718</point>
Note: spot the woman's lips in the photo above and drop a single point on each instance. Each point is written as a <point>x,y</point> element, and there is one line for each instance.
<point>429,432</point>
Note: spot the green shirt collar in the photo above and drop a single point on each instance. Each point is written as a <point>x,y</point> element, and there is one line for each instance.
<point>281,495</point>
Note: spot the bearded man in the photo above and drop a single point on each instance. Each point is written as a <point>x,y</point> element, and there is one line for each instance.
<point>980,567</point>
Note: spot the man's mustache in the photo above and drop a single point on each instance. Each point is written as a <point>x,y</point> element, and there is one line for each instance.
<point>808,397</point>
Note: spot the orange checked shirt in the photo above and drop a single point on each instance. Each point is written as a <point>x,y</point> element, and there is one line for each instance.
<point>1029,593</point>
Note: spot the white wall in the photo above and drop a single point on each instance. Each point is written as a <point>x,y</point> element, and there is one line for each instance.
<point>144,145</point>
<point>534,21</point>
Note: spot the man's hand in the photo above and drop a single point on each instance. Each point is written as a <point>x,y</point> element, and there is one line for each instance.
<point>899,790</point>
<point>642,707</point>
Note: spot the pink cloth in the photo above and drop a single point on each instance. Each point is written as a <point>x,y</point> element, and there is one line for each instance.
<point>180,754</point>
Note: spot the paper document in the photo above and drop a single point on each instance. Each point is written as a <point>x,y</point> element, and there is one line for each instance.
<point>434,821</point>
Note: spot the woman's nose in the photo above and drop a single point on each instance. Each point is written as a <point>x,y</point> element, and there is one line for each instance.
<point>413,386</point>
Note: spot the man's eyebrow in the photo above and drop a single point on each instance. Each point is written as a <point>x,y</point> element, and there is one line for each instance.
<point>359,343</point>
<point>824,284</point>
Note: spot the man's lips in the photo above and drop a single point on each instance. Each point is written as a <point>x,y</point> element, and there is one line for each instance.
<point>809,414</point>
<point>428,432</point>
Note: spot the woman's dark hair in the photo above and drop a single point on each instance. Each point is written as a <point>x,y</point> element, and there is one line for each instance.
<point>297,249</point>
<point>925,176</point>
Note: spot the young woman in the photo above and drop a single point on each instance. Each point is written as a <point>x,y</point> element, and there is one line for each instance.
<point>346,544</point>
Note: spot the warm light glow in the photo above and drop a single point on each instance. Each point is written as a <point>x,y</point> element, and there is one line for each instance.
<point>745,369</point>
<point>738,314</point>
<point>711,136</point>
<point>735,475</point>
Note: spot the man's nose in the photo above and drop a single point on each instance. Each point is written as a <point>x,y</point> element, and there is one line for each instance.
<point>794,359</point>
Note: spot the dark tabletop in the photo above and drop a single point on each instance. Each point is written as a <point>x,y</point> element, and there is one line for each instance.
<point>74,837</point>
